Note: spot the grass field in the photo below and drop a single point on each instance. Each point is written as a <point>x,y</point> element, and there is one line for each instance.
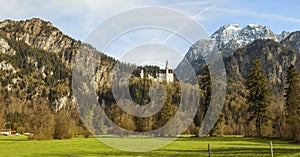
<point>221,146</point>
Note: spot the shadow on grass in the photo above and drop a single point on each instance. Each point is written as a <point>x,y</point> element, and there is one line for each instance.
<point>13,138</point>
<point>185,153</point>
<point>181,153</point>
<point>237,152</point>
<point>234,139</point>
<point>149,154</point>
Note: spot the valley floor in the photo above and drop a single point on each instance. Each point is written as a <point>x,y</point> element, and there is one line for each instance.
<point>220,146</point>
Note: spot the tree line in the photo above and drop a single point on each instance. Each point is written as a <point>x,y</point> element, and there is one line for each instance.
<point>28,105</point>
<point>262,115</point>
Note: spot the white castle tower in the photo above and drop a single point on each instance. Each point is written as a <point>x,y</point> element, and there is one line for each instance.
<point>166,74</point>
<point>169,73</point>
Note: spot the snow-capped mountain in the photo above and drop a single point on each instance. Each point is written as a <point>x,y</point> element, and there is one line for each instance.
<point>225,34</point>
<point>227,39</point>
<point>247,35</point>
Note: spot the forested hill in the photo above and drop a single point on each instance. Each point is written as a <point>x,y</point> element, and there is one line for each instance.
<point>36,62</point>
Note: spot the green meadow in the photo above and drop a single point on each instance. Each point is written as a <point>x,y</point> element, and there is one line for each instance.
<point>220,146</point>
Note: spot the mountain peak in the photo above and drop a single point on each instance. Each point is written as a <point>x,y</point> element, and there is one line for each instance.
<point>225,33</point>
<point>255,25</point>
<point>283,35</point>
<point>228,27</point>
<point>258,30</point>
<point>32,21</point>
<point>39,21</point>
<point>41,34</point>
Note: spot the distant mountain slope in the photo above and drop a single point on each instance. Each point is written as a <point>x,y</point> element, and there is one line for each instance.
<point>275,59</point>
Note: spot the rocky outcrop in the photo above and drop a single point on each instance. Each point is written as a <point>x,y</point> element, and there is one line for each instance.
<point>5,48</point>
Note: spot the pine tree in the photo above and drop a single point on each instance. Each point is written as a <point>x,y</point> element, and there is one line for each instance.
<point>291,80</point>
<point>292,107</point>
<point>259,96</point>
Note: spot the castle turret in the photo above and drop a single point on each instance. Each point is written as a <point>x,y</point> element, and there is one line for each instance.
<point>142,73</point>
<point>167,65</point>
<point>167,71</point>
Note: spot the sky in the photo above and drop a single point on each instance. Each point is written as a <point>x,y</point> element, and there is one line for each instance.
<point>79,18</point>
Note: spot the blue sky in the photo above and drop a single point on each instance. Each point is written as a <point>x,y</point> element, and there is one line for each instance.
<point>78,18</point>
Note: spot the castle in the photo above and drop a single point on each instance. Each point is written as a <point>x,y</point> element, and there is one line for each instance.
<point>161,75</point>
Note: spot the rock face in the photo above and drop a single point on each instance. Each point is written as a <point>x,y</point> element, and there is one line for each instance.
<point>292,41</point>
<point>97,67</point>
<point>7,68</point>
<point>5,48</point>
